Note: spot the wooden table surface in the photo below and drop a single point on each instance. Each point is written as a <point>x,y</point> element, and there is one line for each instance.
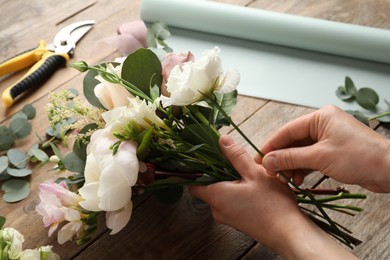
<point>186,229</point>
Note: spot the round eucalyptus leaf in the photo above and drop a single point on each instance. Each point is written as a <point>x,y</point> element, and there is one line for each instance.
<point>19,172</point>
<point>5,176</point>
<point>7,138</point>
<point>74,91</point>
<point>342,94</point>
<point>161,31</point>
<point>3,163</point>
<point>20,127</point>
<point>384,119</point>
<point>15,190</point>
<point>29,110</point>
<point>39,154</point>
<point>350,87</point>
<point>367,98</point>
<point>17,158</point>
<point>20,114</point>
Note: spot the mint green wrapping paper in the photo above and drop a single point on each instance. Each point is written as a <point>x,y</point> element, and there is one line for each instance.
<point>271,27</point>
<point>284,57</point>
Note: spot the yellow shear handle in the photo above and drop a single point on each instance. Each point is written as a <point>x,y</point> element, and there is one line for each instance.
<point>48,63</point>
<point>23,60</point>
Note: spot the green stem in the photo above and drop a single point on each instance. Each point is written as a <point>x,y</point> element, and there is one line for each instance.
<point>379,116</point>
<point>283,175</point>
<point>341,195</point>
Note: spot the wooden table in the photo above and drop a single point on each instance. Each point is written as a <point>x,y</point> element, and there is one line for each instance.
<point>186,229</point>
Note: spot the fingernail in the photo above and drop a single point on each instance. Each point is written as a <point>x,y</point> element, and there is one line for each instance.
<point>269,163</point>
<point>227,140</point>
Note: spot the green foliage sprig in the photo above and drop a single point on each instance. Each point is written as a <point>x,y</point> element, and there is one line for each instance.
<point>14,163</point>
<point>367,98</point>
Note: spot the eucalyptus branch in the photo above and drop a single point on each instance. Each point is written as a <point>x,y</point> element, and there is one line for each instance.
<point>379,115</point>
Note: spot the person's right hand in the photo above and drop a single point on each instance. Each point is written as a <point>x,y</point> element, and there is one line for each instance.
<point>333,142</point>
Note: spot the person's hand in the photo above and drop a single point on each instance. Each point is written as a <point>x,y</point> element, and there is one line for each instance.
<point>265,209</point>
<point>333,142</point>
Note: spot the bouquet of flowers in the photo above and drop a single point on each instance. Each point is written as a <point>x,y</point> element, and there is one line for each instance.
<point>151,125</point>
<point>11,246</point>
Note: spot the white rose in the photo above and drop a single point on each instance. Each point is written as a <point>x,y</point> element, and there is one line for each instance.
<point>187,83</point>
<point>108,177</point>
<point>111,95</point>
<point>139,111</point>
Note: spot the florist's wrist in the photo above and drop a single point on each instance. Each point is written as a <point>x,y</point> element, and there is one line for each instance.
<point>383,178</point>
<point>305,240</point>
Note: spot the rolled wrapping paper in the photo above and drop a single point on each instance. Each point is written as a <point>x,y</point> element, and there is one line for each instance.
<point>270,27</point>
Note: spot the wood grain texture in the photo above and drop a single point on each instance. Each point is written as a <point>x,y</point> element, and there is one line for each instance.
<point>184,230</point>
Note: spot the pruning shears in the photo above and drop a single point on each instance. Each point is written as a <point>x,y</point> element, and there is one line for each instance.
<point>44,59</point>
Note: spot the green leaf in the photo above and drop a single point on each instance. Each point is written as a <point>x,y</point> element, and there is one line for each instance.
<point>7,138</point>
<point>160,31</point>
<point>21,127</point>
<point>73,163</point>
<point>56,151</point>
<point>89,84</point>
<point>19,172</point>
<point>2,221</point>
<point>29,110</point>
<point>15,190</point>
<point>227,102</point>
<point>199,134</point>
<point>367,98</point>
<point>154,92</point>
<point>151,39</point>
<point>342,94</point>
<point>143,69</point>
<point>74,91</point>
<point>350,87</point>
<point>39,154</point>
<point>4,176</point>
<point>19,114</point>
<point>3,163</point>
<point>17,158</point>
<point>144,141</point>
<point>80,148</point>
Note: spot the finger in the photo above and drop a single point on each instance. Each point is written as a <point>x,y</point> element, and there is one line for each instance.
<point>294,131</point>
<point>297,158</point>
<point>241,160</point>
<point>201,192</point>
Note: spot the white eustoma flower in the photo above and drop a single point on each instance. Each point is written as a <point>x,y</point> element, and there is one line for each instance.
<point>190,81</point>
<point>111,95</point>
<point>12,241</point>
<point>109,178</point>
<point>139,111</point>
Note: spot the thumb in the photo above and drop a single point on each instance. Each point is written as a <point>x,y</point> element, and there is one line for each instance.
<point>241,160</point>
<point>291,159</point>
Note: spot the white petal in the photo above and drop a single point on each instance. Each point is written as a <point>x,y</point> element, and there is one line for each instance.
<point>114,191</point>
<point>117,220</point>
<point>229,82</point>
<point>89,193</point>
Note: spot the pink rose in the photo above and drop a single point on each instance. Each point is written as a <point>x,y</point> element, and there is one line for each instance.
<point>169,62</point>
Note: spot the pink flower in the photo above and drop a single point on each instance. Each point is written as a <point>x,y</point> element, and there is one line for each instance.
<point>57,205</point>
<point>169,62</point>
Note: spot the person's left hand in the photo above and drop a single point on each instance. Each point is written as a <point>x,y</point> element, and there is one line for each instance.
<point>258,204</point>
